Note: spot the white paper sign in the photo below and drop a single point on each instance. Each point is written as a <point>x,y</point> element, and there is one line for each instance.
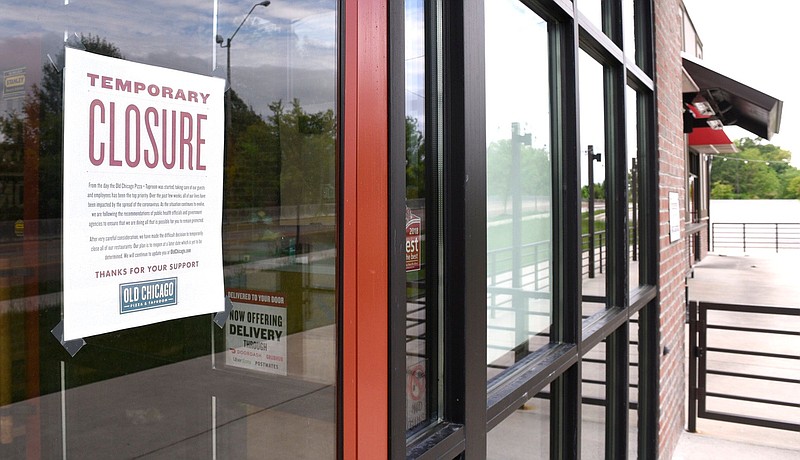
<point>143,168</point>
<point>255,333</point>
<point>674,218</point>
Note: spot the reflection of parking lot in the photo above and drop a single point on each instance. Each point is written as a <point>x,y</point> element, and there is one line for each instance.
<point>287,250</point>
<point>30,261</point>
<point>222,407</point>
<point>250,236</point>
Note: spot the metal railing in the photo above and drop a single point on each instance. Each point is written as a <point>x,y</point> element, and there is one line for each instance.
<point>766,384</point>
<point>534,281</point>
<point>535,258</point>
<point>592,265</point>
<point>749,236</point>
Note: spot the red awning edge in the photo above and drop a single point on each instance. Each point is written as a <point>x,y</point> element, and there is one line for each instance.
<point>707,140</point>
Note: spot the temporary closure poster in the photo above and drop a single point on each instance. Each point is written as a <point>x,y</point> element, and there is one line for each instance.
<point>255,334</point>
<point>143,159</point>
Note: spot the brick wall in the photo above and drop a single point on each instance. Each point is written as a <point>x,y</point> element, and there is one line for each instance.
<point>674,257</point>
<point>704,242</point>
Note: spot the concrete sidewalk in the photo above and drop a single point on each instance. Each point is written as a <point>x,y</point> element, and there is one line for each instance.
<point>748,279</point>
<point>752,279</point>
<point>707,446</point>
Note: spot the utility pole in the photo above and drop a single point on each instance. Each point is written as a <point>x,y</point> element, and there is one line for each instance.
<point>519,301</point>
<point>592,158</point>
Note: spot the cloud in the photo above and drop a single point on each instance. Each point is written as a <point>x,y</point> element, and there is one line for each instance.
<point>286,51</point>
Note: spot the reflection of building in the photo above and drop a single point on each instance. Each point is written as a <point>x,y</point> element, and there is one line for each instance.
<point>20,68</point>
<point>467,326</point>
<point>14,84</point>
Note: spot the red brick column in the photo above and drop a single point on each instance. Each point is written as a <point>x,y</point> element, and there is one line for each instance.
<point>673,257</point>
<point>704,242</point>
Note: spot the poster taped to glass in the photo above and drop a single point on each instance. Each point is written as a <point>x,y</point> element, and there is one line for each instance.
<point>255,333</point>
<point>413,238</point>
<point>143,165</point>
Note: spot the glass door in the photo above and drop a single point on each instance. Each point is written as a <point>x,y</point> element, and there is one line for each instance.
<point>200,143</point>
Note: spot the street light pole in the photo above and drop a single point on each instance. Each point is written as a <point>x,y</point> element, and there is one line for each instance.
<point>228,115</point>
<point>228,46</point>
<point>228,122</point>
<point>592,158</point>
<point>519,302</point>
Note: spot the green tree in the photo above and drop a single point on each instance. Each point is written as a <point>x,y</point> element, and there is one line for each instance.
<point>41,125</point>
<point>599,191</point>
<point>534,171</point>
<point>793,188</point>
<point>757,171</point>
<point>252,167</point>
<point>787,178</point>
<point>12,148</point>
<point>415,159</point>
<point>722,191</point>
<point>285,160</point>
<point>307,143</point>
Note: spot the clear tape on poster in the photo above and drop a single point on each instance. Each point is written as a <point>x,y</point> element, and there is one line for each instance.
<point>72,346</point>
<point>222,317</point>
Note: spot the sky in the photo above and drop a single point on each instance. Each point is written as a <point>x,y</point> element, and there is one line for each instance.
<point>753,43</point>
<point>285,51</point>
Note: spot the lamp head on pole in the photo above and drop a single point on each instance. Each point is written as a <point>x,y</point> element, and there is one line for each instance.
<point>264,4</point>
<point>593,156</point>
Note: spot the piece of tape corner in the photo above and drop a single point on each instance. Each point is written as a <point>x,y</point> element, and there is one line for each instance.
<point>72,346</point>
<point>222,317</point>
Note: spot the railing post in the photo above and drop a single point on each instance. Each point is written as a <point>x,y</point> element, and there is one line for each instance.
<point>590,222</point>
<point>692,423</point>
<point>494,283</point>
<point>591,254</point>
<point>494,267</point>
<point>536,266</point>
<point>744,237</point>
<point>584,263</point>
<point>776,237</point>
<point>601,252</point>
<point>702,368</point>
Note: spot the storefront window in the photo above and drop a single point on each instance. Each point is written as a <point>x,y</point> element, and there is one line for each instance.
<point>594,238</point>
<point>635,233</point>
<point>629,29</point>
<point>257,159</point>
<point>594,408</point>
<point>634,384</point>
<point>519,218</point>
<point>424,213</point>
<point>592,9</point>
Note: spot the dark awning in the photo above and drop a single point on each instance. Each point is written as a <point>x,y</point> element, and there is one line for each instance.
<point>734,103</point>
